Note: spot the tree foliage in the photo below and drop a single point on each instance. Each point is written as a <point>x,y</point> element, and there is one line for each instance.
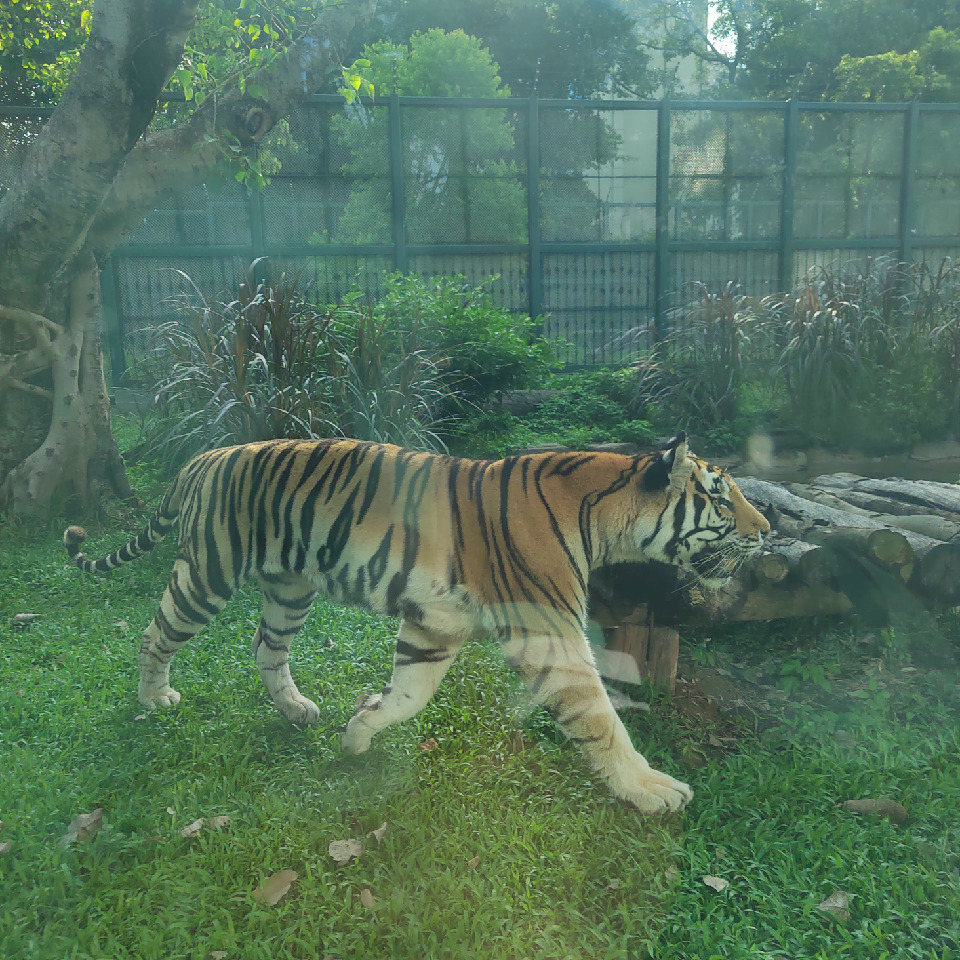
<point>576,48</point>
<point>810,50</point>
<point>39,48</point>
<point>455,161</point>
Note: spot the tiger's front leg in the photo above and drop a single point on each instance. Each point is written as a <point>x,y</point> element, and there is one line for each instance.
<point>287,599</point>
<point>420,662</point>
<point>563,678</point>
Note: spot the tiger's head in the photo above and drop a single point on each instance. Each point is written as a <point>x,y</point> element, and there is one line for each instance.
<point>705,526</point>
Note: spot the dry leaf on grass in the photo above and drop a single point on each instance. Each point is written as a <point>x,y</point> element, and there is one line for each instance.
<point>343,851</point>
<point>473,863</point>
<point>429,745</point>
<point>881,807</point>
<point>5,847</point>
<point>217,954</point>
<point>192,829</point>
<point>275,888</point>
<point>716,883</point>
<point>218,822</point>
<point>672,873</point>
<point>378,833</point>
<point>613,886</point>
<point>122,626</point>
<point>83,827</point>
<point>837,904</point>
<point>367,898</point>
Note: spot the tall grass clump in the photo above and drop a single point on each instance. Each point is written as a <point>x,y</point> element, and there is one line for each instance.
<point>863,354</point>
<point>272,363</point>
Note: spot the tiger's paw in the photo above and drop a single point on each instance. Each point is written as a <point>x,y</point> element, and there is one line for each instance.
<point>358,735</point>
<point>656,792</point>
<point>299,710</point>
<point>159,697</point>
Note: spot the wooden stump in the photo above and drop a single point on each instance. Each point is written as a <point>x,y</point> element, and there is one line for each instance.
<point>655,649</point>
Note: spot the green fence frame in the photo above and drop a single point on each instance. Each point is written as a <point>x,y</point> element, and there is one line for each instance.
<point>663,249</point>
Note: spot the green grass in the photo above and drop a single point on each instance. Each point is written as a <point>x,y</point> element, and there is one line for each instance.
<point>563,870</point>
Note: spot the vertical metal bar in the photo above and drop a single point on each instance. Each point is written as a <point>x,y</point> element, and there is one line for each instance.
<point>535,265</point>
<point>911,124</point>
<point>785,278</point>
<point>110,317</point>
<point>257,247</point>
<point>662,238</point>
<point>400,259</point>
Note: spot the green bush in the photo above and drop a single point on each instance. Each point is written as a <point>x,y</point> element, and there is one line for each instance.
<point>482,349</point>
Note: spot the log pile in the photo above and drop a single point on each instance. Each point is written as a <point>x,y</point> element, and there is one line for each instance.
<point>837,544</point>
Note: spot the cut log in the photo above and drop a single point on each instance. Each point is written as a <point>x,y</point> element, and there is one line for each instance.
<point>797,517</point>
<point>655,648</point>
<point>770,567</point>
<point>928,493</point>
<point>939,573</point>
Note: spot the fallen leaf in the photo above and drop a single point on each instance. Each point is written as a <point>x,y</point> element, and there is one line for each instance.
<point>171,811</point>
<point>716,883</point>
<point>218,822</point>
<point>473,863</point>
<point>613,885</point>
<point>837,904</point>
<point>343,851</point>
<point>429,745</point>
<point>378,833</point>
<point>367,898</point>
<point>141,716</point>
<point>217,954</point>
<point>275,888</point>
<point>5,847</point>
<point>672,873</point>
<point>193,829</point>
<point>83,827</point>
<point>881,807</point>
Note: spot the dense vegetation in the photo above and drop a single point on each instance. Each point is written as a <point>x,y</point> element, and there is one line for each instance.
<point>864,358</point>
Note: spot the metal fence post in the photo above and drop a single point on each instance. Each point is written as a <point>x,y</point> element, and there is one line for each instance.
<point>535,265</point>
<point>661,284</point>
<point>398,207</point>
<point>911,123</point>
<point>791,116</point>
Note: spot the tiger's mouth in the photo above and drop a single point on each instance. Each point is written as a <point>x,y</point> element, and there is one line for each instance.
<point>717,566</point>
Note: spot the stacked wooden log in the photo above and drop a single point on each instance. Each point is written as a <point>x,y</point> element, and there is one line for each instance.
<point>838,543</point>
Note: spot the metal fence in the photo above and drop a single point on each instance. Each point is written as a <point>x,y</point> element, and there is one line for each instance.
<point>594,215</point>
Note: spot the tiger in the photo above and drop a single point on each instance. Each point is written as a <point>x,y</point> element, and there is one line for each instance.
<point>456,548</point>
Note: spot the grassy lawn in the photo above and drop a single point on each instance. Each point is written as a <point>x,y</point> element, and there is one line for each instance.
<point>497,844</point>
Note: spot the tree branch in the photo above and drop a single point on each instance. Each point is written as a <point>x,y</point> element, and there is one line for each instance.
<point>181,156</point>
<point>133,48</point>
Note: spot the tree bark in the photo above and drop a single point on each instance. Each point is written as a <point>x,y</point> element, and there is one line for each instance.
<point>91,175</point>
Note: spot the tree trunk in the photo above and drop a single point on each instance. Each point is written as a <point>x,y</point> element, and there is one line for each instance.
<point>90,176</point>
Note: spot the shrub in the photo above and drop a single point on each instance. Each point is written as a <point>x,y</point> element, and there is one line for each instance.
<point>482,348</point>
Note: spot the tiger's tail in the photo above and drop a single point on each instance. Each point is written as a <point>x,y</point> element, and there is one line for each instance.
<point>159,526</point>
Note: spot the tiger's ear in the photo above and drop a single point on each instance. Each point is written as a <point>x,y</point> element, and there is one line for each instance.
<point>675,457</point>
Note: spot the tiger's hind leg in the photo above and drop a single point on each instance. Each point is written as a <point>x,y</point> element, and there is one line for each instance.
<point>286,602</point>
<point>420,662</point>
<point>561,674</point>
<point>185,607</point>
